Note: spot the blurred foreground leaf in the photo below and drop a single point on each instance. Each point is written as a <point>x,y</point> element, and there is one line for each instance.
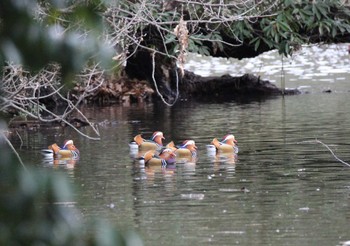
<point>37,208</point>
<point>31,40</point>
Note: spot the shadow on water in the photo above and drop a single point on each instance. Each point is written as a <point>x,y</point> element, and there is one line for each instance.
<point>239,99</point>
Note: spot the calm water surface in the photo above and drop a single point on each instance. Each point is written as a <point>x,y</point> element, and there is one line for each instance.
<point>284,188</point>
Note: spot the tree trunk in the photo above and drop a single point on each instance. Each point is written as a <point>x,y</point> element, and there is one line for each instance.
<point>159,72</point>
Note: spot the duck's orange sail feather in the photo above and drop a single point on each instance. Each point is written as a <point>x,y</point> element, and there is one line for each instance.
<point>139,139</point>
<point>221,146</point>
<point>216,143</point>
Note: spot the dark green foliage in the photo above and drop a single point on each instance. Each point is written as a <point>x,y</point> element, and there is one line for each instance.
<point>294,23</point>
<point>283,25</point>
<point>29,215</point>
<point>34,41</point>
<point>221,28</point>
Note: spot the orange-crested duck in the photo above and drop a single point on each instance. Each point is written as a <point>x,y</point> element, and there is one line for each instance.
<point>155,143</point>
<point>186,151</point>
<point>165,158</point>
<point>68,150</point>
<point>226,145</point>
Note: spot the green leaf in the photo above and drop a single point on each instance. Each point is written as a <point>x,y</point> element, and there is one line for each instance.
<point>320,29</point>
<point>288,3</point>
<point>254,40</point>
<point>327,26</point>
<point>307,11</point>
<point>257,44</point>
<point>170,38</point>
<point>284,26</point>
<point>284,35</point>
<point>334,31</point>
<point>315,11</point>
<point>323,9</point>
<point>295,11</point>
<point>287,49</point>
<point>266,29</point>
<point>341,29</point>
<point>347,27</point>
<point>268,42</point>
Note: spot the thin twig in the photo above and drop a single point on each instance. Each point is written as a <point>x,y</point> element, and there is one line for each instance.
<point>155,85</point>
<point>20,138</point>
<point>13,149</point>
<point>329,149</point>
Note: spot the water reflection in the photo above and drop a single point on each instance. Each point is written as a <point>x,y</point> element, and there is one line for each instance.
<point>313,69</point>
<point>272,190</point>
<point>278,190</point>
<point>68,163</point>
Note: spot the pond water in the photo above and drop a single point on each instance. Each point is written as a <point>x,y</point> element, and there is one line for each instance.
<point>312,68</point>
<point>285,187</point>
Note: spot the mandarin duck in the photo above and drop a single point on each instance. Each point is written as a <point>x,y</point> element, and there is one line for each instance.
<point>163,163</point>
<point>68,150</point>
<point>186,151</point>
<point>226,145</point>
<point>165,158</point>
<point>155,143</point>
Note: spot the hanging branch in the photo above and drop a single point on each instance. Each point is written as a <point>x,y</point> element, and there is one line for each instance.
<point>155,84</point>
<point>181,32</point>
<point>329,149</point>
<point>23,92</point>
<point>4,137</point>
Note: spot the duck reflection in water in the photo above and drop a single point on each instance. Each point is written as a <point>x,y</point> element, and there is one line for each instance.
<point>229,160</point>
<point>68,163</point>
<point>152,171</point>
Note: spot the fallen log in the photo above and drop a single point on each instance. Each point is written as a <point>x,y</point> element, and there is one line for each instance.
<point>223,88</point>
<point>226,86</point>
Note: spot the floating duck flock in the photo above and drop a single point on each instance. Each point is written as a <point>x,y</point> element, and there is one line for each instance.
<point>152,151</point>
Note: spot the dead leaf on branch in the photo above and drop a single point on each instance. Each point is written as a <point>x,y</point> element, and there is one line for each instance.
<point>181,32</point>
